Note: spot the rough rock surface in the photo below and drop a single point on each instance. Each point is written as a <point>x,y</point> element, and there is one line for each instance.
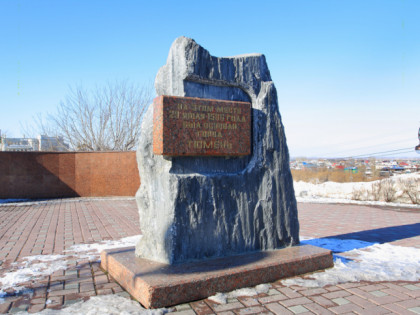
<point>196,208</point>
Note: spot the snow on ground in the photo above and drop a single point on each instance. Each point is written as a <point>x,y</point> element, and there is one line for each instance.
<point>369,262</point>
<point>8,201</point>
<point>28,270</point>
<point>104,304</point>
<point>222,298</point>
<point>35,267</point>
<point>332,192</point>
<point>92,251</point>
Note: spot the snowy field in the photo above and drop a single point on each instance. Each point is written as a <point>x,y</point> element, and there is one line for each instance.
<point>362,192</point>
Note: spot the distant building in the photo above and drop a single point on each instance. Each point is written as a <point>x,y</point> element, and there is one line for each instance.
<point>52,144</point>
<point>309,165</point>
<point>41,143</point>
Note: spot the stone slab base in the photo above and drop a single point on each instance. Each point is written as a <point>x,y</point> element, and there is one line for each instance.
<point>157,285</point>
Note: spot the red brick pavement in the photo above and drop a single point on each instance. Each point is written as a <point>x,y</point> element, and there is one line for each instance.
<point>53,226</point>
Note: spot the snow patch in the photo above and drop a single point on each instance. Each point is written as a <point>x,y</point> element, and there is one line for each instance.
<point>38,266</point>
<point>378,262</point>
<point>104,304</point>
<point>316,199</point>
<point>92,251</point>
<point>2,201</point>
<point>29,271</point>
<point>222,298</point>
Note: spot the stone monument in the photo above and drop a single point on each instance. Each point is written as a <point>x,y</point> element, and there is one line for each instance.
<point>216,204</point>
<point>198,207</point>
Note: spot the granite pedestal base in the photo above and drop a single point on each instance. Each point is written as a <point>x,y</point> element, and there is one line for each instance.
<point>157,285</point>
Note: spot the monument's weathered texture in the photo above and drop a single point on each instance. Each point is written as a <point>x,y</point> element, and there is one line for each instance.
<point>192,208</point>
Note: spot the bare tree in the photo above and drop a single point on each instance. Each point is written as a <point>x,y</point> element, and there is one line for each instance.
<point>360,194</point>
<point>411,187</point>
<point>388,190</point>
<point>105,119</point>
<point>376,191</point>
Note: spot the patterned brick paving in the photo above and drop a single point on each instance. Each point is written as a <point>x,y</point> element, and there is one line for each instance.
<point>53,226</point>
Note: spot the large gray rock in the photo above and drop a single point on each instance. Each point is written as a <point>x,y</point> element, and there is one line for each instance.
<point>195,208</point>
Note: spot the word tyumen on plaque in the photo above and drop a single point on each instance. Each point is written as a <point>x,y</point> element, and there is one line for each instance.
<point>187,126</point>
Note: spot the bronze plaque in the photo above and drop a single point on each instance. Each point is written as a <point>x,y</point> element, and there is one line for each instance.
<point>187,126</point>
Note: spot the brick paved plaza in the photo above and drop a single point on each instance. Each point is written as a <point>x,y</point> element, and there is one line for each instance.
<point>51,227</point>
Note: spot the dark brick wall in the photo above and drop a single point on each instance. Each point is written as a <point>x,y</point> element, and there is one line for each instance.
<point>70,174</point>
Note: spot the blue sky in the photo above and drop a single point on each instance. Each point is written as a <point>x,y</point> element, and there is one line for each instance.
<point>347,73</point>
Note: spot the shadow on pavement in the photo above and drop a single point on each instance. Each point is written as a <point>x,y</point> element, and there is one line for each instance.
<point>383,235</point>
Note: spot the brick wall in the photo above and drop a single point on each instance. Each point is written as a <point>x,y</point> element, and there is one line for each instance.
<point>69,174</point>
